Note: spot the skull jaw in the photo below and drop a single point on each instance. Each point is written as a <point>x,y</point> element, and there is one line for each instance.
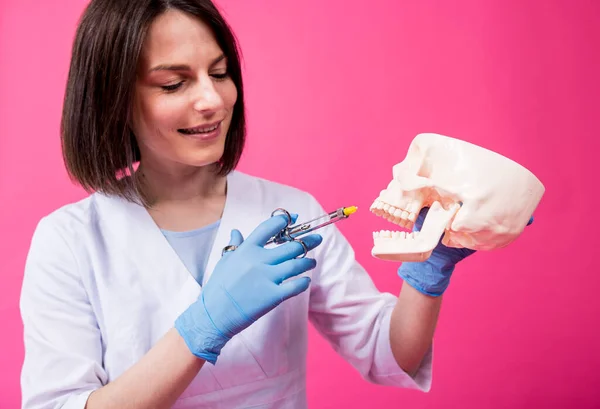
<point>415,246</point>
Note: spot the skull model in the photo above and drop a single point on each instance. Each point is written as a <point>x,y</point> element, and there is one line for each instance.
<point>477,199</point>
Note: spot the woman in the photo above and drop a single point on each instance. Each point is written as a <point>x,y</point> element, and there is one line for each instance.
<point>127,294</point>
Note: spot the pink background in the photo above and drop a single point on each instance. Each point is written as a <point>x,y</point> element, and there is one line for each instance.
<point>341,98</point>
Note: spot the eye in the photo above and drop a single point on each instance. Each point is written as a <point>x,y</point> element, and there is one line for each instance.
<point>173,87</point>
<point>220,76</point>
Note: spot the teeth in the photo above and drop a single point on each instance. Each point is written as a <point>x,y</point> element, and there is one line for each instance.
<point>395,235</point>
<point>393,214</point>
<point>200,129</point>
<point>413,208</point>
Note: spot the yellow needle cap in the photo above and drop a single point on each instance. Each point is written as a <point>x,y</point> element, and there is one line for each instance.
<point>349,210</point>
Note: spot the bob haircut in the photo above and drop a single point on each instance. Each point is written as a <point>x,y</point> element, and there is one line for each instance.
<point>98,144</point>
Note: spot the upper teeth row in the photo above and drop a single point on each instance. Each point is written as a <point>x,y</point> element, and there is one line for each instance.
<point>212,128</point>
<point>393,214</point>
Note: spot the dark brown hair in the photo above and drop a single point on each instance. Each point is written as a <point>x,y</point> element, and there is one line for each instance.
<point>97,142</point>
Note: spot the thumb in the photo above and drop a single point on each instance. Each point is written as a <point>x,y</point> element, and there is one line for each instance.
<point>236,238</point>
<point>420,219</point>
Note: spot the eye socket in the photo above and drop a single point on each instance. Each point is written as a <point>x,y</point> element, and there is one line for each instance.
<point>173,87</point>
<point>425,169</point>
<point>220,76</point>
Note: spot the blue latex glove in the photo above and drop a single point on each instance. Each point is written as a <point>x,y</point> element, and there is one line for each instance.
<point>432,276</point>
<point>246,284</point>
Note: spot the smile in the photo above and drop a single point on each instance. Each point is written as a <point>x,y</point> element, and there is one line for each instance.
<point>203,129</point>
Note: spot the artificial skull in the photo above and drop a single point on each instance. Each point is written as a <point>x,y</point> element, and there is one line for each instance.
<point>477,199</point>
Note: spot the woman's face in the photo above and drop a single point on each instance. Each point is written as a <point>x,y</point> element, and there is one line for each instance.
<point>184,96</point>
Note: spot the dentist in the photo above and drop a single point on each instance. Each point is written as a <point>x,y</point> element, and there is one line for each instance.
<point>127,300</point>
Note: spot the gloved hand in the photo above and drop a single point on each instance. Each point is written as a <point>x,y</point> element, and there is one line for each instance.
<point>246,284</point>
<point>432,276</point>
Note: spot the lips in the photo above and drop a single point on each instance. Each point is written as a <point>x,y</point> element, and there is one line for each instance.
<point>202,129</point>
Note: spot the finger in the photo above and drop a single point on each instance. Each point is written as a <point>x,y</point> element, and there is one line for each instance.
<point>293,249</point>
<point>291,268</point>
<point>420,219</point>
<point>294,216</point>
<point>530,221</point>
<point>294,287</point>
<point>267,229</point>
<point>236,238</point>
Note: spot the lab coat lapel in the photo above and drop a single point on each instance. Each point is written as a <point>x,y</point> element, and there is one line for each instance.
<point>242,212</point>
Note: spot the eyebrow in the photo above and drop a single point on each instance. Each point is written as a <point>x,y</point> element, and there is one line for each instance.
<point>182,67</point>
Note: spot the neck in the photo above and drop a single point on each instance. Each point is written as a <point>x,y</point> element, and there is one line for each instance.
<point>184,186</point>
<point>183,200</point>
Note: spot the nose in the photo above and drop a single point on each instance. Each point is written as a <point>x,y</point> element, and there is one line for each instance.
<point>206,97</point>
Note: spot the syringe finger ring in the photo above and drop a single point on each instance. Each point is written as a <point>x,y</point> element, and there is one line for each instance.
<point>285,212</point>
<point>303,246</point>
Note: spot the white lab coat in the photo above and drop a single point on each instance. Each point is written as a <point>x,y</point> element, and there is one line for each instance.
<point>102,285</point>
